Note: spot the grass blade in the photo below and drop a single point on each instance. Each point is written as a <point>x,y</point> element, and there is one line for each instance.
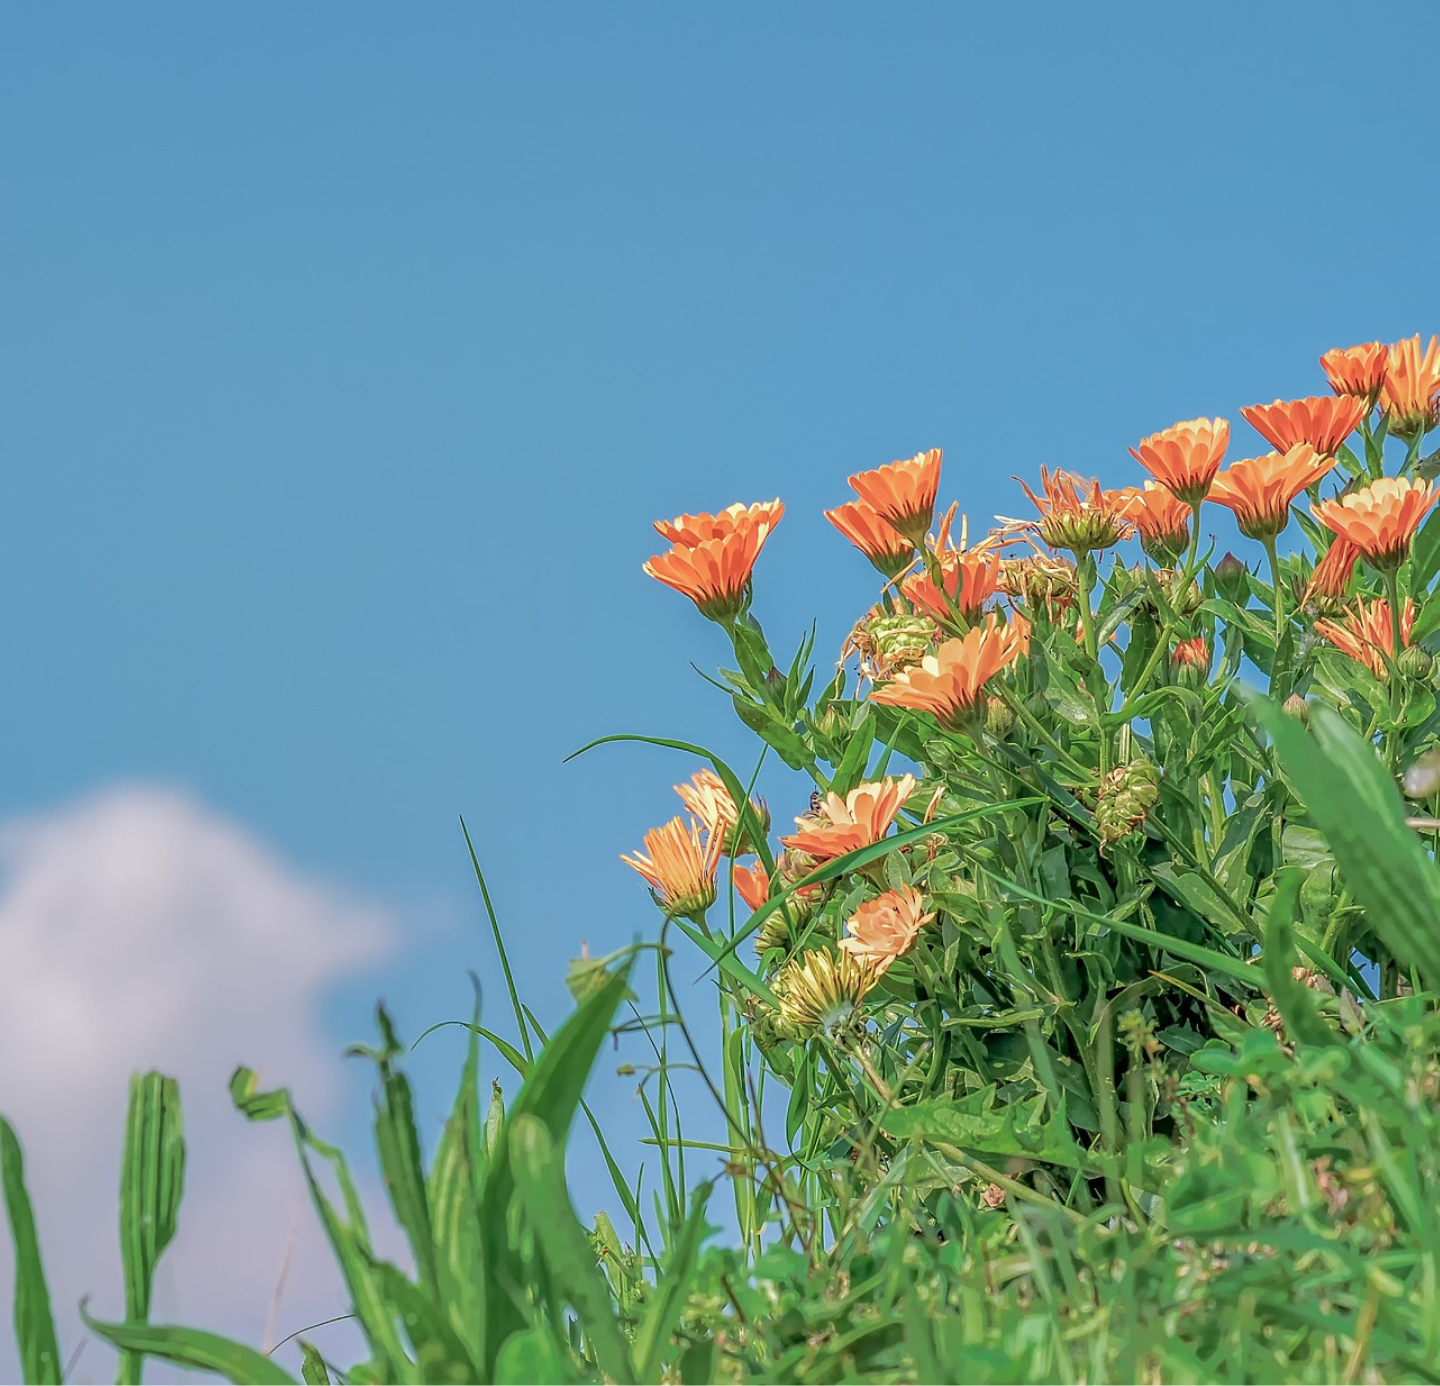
<point>192,1348</point>
<point>34,1325</point>
<point>152,1179</point>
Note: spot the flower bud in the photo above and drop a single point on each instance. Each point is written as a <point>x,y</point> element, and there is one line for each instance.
<point>1232,579</point>
<point>1295,706</point>
<point>998,718</point>
<point>1422,779</point>
<point>1416,663</point>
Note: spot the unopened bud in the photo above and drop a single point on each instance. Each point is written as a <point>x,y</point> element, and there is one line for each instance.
<point>1232,579</point>
<point>998,718</point>
<point>1127,794</point>
<point>1422,779</point>
<point>1415,663</point>
<point>1295,706</point>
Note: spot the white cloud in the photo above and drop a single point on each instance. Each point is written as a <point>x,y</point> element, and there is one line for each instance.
<point>139,929</point>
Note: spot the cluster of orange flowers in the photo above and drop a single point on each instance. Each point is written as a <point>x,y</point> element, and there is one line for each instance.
<point>712,558</point>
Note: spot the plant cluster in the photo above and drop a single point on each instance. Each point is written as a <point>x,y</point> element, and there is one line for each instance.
<point>1082,1029</point>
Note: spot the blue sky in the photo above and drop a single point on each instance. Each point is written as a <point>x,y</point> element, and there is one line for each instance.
<point>349,352</point>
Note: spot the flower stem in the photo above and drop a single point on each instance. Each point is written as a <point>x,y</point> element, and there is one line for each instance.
<point>1277,594</point>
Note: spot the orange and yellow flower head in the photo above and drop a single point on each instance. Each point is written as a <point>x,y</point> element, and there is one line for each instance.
<point>883,929</point>
<point>679,862</point>
<point>1357,370</point>
<point>889,550</point>
<point>1163,521</point>
<point>1412,382</point>
<point>1323,421</point>
<point>711,557</point>
<point>708,800</point>
<point>863,816</point>
<point>1366,633</point>
<point>1259,489</point>
<point>1380,519</point>
<point>950,684</point>
<point>1076,514</point>
<point>1330,582</point>
<point>903,493</point>
<point>1185,456</point>
<point>969,578</point>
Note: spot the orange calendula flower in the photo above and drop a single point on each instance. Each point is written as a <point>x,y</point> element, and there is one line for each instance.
<point>1162,520</point>
<point>753,883</point>
<point>889,550</point>
<point>1185,456</point>
<point>950,684</point>
<point>863,816</point>
<point>1076,514</point>
<point>1357,370</point>
<point>1331,579</point>
<point>970,577</point>
<point>1380,519</point>
<point>903,493</point>
<point>1259,489</point>
<point>1323,421</point>
<point>884,928</point>
<point>707,798</point>
<point>713,556</point>
<point>1412,380</point>
<point>690,530</point>
<point>1367,634</point>
<point>679,865</point>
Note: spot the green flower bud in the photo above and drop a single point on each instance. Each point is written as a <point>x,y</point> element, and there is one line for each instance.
<point>1415,663</point>
<point>1232,579</point>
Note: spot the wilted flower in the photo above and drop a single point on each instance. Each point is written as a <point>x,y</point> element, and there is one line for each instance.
<point>1076,514</point>
<point>1323,421</point>
<point>1412,380</point>
<point>1185,456</point>
<point>969,577</point>
<point>1297,707</point>
<point>822,992</point>
<point>844,825</point>
<point>950,683</point>
<point>887,643</point>
<point>713,556</point>
<point>1259,489</point>
<point>884,928</point>
<point>889,550</point>
<point>1380,519</point>
<point>1330,582</point>
<point>1127,794</point>
<point>903,493</point>
<point>1163,521</point>
<point>679,865</point>
<point>1366,633</point>
<point>1357,370</point>
<point>1039,580</point>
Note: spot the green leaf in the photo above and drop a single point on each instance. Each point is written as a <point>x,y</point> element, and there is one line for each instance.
<point>568,1253</point>
<point>974,1123</point>
<point>1294,1000</point>
<point>1354,802</point>
<point>34,1325</point>
<point>312,1366</point>
<point>551,1094</point>
<point>192,1348</point>
<point>529,1356</point>
<point>398,1143</point>
<point>152,1179</point>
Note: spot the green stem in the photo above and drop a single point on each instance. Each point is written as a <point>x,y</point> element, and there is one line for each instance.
<point>1084,578</point>
<point>1391,579</point>
<point>1278,599</point>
